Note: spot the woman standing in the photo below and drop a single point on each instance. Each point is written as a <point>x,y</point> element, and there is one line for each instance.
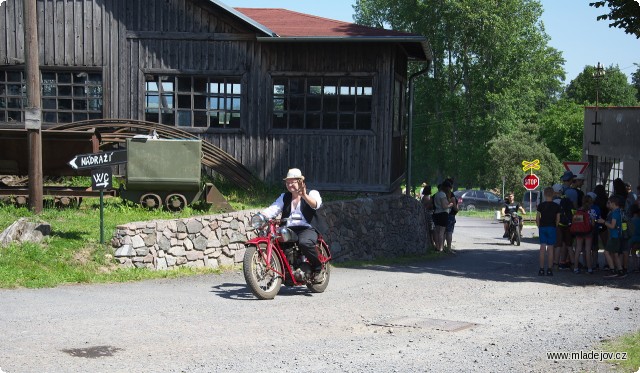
<point>442,206</point>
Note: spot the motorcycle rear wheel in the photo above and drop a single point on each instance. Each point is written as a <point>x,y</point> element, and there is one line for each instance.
<point>325,274</point>
<point>263,281</point>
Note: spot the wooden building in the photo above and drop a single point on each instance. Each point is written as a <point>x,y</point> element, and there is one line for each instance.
<point>274,88</point>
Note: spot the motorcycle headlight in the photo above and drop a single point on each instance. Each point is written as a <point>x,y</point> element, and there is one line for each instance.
<point>258,221</point>
<point>287,235</point>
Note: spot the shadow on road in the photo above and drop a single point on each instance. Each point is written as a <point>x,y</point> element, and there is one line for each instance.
<point>503,265</point>
<point>240,291</point>
<point>233,291</point>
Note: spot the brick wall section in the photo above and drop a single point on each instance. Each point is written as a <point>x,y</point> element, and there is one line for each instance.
<point>360,229</point>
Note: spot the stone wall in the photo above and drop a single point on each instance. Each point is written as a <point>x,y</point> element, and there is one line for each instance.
<point>360,229</point>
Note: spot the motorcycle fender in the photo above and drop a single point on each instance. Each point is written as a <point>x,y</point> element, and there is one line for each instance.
<point>264,240</point>
<point>256,241</point>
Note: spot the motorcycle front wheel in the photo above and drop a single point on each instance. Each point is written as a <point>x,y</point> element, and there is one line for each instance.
<point>517,236</point>
<point>264,281</point>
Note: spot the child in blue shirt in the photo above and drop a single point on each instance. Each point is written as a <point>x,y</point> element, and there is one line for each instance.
<point>613,250</point>
<point>595,213</point>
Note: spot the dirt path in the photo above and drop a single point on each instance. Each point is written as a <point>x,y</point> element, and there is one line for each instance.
<point>483,310</point>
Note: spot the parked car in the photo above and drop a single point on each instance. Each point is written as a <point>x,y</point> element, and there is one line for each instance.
<point>531,199</point>
<point>458,193</point>
<point>479,200</point>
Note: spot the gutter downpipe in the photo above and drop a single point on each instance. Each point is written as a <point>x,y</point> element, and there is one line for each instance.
<point>409,185</point>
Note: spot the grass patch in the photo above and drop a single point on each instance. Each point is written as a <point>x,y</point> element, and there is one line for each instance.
<point>478,214</point>
<point>630,344</point>
<point>73,253</point>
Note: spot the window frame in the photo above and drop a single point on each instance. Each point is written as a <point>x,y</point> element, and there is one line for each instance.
<point>315,90</point>
<point>89,106</point>
<point>190,99</point>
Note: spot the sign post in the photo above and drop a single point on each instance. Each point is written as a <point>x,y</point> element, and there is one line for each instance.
<point>101,174</point>
<point>101,180</point>
<point>531,181</point>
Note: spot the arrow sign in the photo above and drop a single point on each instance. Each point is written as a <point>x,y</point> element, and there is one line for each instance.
<point>95,160</point>
<point>101,178</point>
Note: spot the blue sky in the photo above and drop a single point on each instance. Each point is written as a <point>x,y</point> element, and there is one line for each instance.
<point>571,24</point>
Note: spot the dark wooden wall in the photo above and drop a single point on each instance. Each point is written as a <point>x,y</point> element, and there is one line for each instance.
<point>127,39</point>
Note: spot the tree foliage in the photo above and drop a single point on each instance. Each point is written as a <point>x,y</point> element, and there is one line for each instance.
<point>562,128</point>
<point>624,14</point>
<point>612,88</point>
<point>507,151</point>
<point>492,70</point>
<point>635,80</point>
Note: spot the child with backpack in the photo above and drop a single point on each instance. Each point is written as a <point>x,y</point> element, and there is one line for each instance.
<point>595,213</point>
<point>581,228</point>
<point>613,250</point>
<point>564,238</point>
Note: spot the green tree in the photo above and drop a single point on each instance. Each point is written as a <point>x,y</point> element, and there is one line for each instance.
<point>492,69</point>
<point>635,81</point>
<point>561,129</point>
<point>612,88</point>
<point>506,153</point>
<point>624,14</point>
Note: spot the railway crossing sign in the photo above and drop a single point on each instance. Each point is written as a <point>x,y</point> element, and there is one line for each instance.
<point>533,165</point>
<point>95,160</point>
<point>101,178</point>
<point>531,182</point>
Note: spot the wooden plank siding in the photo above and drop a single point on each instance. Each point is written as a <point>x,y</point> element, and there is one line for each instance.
<point>127,39</point>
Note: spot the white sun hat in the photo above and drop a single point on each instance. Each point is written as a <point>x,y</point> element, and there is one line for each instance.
<point>294,173</point>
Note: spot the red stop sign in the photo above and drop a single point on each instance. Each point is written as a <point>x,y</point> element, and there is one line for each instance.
<point>530,182</point>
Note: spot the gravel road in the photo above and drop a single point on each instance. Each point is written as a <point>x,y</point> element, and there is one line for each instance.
<point>482,310</point>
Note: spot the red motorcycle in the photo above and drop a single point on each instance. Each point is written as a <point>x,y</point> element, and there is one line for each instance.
<point>274,258</point>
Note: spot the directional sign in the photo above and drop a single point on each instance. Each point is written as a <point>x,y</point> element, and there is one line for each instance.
<point>531,182</point>
<point>534,165</point>
<point>101,178</point>
<point>95,160</point>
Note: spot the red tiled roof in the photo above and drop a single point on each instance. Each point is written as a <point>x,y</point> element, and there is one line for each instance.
<point>287,23</point>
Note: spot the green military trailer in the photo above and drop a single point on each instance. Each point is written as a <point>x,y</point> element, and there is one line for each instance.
<point>166,172</point>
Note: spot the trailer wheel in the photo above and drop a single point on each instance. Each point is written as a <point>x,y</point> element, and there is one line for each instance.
<point>151,201</point>
<point>175,202</point>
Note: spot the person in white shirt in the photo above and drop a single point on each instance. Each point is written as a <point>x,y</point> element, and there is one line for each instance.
<point>300,205</point>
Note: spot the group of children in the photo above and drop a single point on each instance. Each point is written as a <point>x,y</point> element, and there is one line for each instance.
<point>566,232</point>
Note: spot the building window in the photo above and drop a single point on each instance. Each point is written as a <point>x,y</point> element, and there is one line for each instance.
<point>328,103</point>
<point>13,96</point>
<point>605,170</point>
<point>71,96</point>
<point>193,101</point>
<point>66,96</point>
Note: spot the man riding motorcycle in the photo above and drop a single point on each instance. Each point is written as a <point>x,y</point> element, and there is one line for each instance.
<point>301,206</point>
<point>509,207</point>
